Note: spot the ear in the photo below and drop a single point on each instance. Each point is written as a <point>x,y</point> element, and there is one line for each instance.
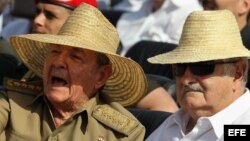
<point>241,68</point>
<point>244,7</point>
<point>104,73</point>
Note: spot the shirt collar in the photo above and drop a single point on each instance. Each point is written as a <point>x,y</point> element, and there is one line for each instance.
<point>85,111</point>
<point>89,106</point>
<point>36,99</point>
<point>181,119</point>
<point>218,120</point>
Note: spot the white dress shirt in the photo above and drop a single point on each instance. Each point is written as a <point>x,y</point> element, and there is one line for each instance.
<point>206,128</point>
<point>163,25</point>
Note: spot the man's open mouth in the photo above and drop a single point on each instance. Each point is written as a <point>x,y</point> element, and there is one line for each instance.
<point>58,81</point>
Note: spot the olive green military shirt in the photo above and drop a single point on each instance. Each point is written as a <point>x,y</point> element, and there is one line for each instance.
<point>28,117</point>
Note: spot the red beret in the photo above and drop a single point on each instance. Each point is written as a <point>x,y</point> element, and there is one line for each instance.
<point>71,4</point>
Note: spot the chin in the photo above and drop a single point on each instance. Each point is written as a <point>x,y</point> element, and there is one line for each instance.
<point>55,95</point>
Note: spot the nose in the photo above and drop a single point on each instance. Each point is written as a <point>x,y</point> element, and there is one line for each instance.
<point>187,77</point>
<point>39,20</point>
<point>61,60</point>
<point>187,71</point>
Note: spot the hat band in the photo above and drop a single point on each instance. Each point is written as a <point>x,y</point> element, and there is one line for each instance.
<point>58,3</point>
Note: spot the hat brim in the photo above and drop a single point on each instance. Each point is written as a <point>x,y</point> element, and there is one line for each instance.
<point>185,54</point>
<point>126,85</point>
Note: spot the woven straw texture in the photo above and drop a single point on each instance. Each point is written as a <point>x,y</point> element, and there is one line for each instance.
<point>206,35</point>
<point>87,28</point>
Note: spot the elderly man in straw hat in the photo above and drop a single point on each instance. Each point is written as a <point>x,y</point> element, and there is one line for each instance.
<point>83,79</point>
<point>210,66</point>
<point>50,18</point>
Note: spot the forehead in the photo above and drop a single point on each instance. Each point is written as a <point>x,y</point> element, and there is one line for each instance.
<point>52,8</point>
<point>73,49</point>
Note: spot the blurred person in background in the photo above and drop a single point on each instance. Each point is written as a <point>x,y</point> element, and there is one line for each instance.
<point>156,20</point>
<point>51,14</point>
<point>128,5</point>
<point>11,24</point>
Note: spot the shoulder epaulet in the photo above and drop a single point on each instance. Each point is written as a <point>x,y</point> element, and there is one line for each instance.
<point>115,119</point>
<point>21,86</point>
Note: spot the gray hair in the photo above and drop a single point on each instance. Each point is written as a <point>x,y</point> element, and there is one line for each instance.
<point>229,67</point>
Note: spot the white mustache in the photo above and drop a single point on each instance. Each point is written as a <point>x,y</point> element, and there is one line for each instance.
<point>192,87</point>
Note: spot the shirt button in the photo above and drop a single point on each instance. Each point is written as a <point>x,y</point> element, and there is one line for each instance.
<point>100,138</point>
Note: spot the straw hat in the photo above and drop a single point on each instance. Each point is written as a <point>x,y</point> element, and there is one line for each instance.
<point>206,35</point>
<point>87,28</point>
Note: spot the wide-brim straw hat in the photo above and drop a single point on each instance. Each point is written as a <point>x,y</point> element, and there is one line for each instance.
<point>87,28</point>
<point>206,35</point>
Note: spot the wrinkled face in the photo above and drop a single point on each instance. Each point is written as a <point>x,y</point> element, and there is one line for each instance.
<point>205,95</point>
<point>49,18</point>
<point>72,76</point>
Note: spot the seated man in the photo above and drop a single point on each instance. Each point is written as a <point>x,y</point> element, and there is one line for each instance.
<point>210,66</point>
<point>83,79</point>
